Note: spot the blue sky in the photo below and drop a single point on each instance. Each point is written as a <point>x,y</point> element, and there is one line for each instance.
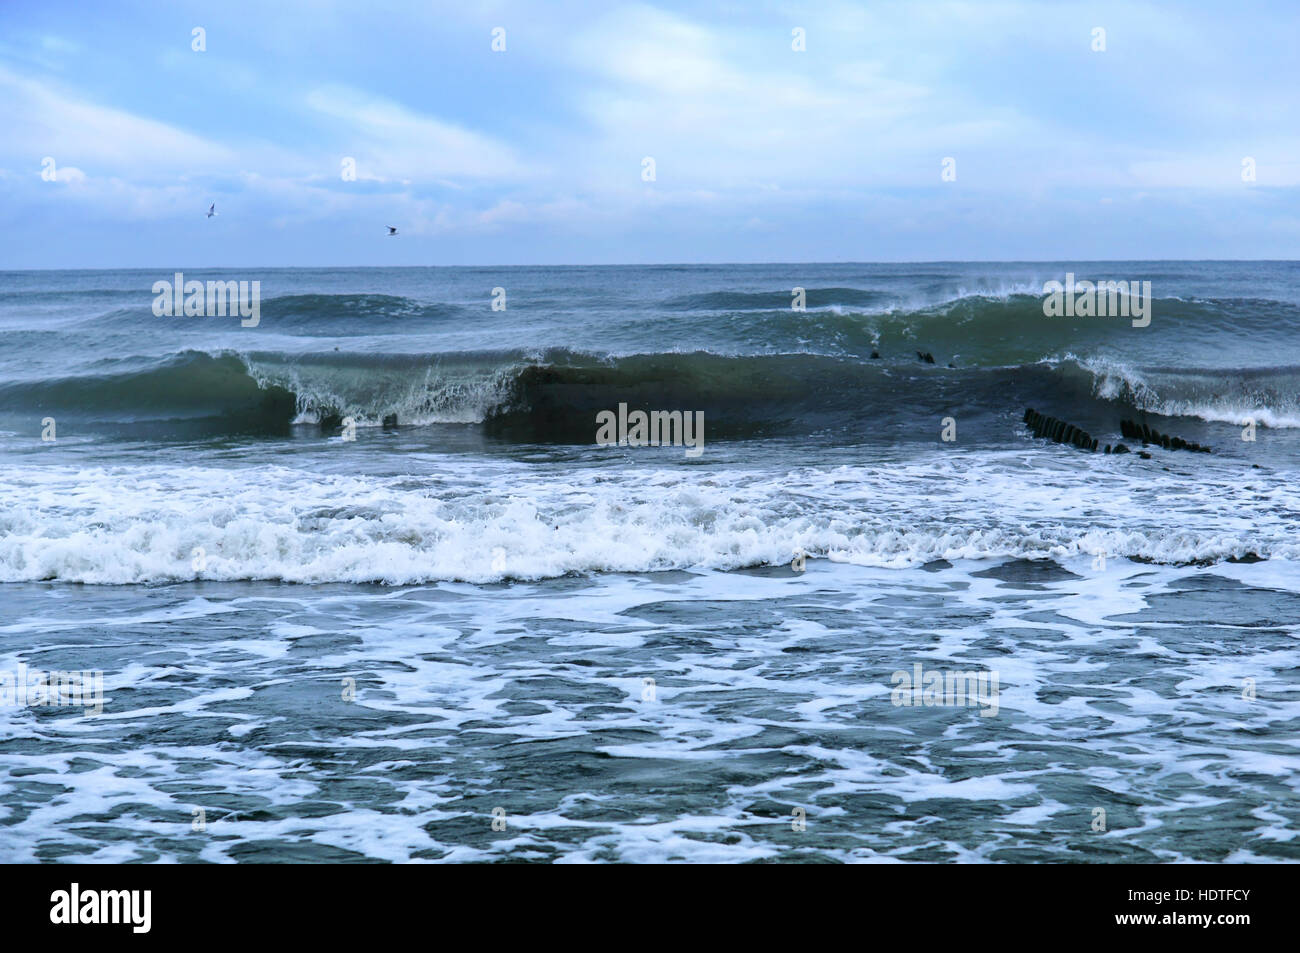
<point>534,155</point>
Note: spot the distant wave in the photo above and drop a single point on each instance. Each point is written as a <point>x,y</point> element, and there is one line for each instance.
<point>767,300</point>
<point>981,327</point>
<point>988,329</point>
<point>374,309</point>
<point>312,315</point>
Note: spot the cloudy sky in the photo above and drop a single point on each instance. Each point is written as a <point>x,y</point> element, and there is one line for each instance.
<point>535,154</point>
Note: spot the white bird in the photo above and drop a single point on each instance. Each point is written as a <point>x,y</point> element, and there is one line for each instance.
<point>212,209</point>
<point>391,231</point>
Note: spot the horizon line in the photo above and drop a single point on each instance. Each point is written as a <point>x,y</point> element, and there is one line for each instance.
<point>685,264</point>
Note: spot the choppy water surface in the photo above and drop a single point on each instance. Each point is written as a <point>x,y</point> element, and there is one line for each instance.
<point>607,645</point>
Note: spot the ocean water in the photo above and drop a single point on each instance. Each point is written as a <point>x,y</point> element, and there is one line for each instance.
<point>362,586</point>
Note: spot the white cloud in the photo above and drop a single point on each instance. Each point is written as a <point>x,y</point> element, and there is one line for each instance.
<point>69,175</point>
<point>736,109</point>
<point>393,142</point>
<point>1219,171</point>
<point>40,120</point>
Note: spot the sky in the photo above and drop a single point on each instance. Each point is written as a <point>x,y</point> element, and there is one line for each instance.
<point>921,131</point>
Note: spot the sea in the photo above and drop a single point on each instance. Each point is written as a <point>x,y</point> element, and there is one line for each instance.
<point>360,582</point>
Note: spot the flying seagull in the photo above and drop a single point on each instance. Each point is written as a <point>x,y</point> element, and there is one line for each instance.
<point>391,231</point>
<point>212,209</point>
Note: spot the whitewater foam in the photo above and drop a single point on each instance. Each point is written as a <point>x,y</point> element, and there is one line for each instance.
<point>504,520</point>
